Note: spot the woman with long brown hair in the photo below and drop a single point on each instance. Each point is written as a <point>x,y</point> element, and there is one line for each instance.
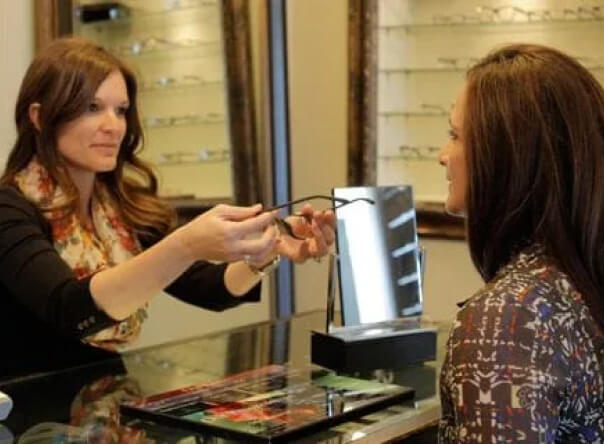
<point>525,165</point>
<point>85,241</point>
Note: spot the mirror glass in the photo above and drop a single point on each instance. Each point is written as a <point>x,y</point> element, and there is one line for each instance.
<point>379,270</point>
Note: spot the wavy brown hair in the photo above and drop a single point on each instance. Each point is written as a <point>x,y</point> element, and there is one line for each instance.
<point>534,137</point>
<point>63,79</point>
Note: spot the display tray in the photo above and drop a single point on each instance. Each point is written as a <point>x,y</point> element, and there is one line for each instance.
<point>271,404</point>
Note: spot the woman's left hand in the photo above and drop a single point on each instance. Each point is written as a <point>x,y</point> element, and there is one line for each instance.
<point>318,234</point>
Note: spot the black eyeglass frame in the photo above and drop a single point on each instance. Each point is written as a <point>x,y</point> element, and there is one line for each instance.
<point>338,202</point>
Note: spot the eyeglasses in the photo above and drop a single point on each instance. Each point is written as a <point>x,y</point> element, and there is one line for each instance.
<point>337,202</point>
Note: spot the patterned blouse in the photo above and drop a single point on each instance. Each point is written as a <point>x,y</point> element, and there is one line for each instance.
<point>525,361</point>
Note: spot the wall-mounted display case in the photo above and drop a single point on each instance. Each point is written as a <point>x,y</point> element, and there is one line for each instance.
<point>193,62</point>
<point>410,58</point>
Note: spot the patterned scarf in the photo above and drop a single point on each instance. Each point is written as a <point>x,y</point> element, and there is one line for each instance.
<point>86,251</point>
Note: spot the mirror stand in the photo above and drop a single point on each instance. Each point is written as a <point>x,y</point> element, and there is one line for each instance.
<point>331,292</point>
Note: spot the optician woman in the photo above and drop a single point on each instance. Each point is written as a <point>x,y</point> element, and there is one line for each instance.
<point>525,165</point>
<point>85,242</point>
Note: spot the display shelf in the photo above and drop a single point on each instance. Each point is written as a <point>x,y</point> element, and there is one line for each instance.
<point>158,47</point>
<point>168,84</point>
<point>146,18</point>
<point>204,155</point>
<point>410,114</point>
<point>411,152</point>
<point>474,22</point>
<point>420,70</point>
<point>405,57</point>
<point>439,70</point>
<point>185,120</point>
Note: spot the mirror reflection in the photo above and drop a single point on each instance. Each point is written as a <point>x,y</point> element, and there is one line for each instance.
<point>379,271</point>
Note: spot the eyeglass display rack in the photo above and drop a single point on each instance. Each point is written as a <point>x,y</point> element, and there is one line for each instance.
<point>175,48</point>
<point>424,48</point>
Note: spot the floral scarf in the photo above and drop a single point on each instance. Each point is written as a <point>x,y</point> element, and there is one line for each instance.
<point>86,251</point>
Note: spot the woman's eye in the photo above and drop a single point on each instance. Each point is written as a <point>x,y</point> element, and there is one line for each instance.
<point>93,107</point>
<point>452,134</point>
<point>122,110</point>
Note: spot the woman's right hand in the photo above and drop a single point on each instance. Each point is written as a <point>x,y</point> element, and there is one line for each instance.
<point>222,233</point>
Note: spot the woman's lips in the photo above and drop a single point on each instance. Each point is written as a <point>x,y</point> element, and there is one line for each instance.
<point>105,145</point>
<point>106,149</point>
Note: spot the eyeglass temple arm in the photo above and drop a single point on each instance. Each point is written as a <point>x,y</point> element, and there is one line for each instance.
<point>304,199</point>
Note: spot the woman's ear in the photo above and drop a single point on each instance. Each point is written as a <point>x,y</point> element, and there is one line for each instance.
<point>34,115</point>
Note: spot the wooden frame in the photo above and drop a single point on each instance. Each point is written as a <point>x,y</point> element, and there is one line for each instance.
<point>432,220</point>
<point>53,19</point>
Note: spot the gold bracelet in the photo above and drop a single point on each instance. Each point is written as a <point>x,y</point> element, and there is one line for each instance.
<point>264,269</point>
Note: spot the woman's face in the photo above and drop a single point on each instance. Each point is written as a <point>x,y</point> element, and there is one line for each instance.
<point>452,157</point>
<point>91,142</point>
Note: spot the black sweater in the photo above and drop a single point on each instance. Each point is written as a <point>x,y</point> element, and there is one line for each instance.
<point>45,310</point>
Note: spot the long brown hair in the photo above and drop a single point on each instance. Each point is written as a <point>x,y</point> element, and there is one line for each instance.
<point>63,79</point>
<point>534,137</point>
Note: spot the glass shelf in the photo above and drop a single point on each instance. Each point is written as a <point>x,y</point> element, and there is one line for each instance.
<point>204,155</point>
<point>412,152</point>
<point>154,46</point>
<point>426,69</point>
<point>469,20</point>
<point>151,18</point>
<point>192,7</point>
<point>405,114</point>
<point>404,158</point>
<point>173,163</point>
<point>180,121</point>
<point>169,86</point>
<point>436,69</point>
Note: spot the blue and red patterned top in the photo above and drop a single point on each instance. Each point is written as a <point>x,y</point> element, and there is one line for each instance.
<point>525,361</point>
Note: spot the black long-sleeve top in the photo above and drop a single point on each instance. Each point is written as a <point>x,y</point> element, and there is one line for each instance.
<point>45,310</point>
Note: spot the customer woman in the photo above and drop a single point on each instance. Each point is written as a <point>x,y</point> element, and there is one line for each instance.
<point>85,242</point>
<point>525,165</point>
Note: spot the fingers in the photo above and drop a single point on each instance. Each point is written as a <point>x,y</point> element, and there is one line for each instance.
<point>300,225</point>
<point>318,244</point>
<point>235,213</point>
<point>255,224</point>
<point>259,248</point>
<point>306,211</point>
<point>327,223</point>
<point>295,250</point>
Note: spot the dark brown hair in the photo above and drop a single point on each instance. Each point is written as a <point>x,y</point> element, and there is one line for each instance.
<point>63,79</point>
<point>534,136</point>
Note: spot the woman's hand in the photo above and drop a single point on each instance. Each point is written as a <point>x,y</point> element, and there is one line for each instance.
<point>222,234</point>
<point>318,235</point>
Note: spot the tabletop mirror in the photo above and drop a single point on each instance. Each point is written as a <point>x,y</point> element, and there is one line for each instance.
<point>379,265</point>
<point>379,259</point>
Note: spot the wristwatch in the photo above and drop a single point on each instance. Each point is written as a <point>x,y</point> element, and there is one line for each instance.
<point>264,269</point>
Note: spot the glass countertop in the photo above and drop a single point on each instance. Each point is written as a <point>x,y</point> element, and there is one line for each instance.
<point>82,404</point>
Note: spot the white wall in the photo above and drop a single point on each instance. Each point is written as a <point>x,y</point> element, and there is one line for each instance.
<point>16,52</point>
<point>450,277</point>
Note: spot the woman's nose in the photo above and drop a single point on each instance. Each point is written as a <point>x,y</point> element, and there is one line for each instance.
<point>111,121</point>
<point>443,156</point>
